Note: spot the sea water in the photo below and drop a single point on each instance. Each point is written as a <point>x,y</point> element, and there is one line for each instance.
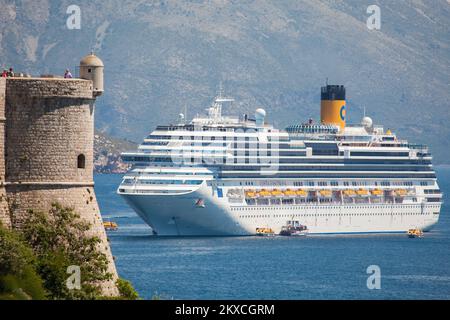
<point>315,267</point>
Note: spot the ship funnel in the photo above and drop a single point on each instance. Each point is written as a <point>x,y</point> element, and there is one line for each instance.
<point>332,105</point>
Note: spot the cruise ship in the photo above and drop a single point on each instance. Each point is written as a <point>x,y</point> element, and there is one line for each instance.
<point>230,176</point>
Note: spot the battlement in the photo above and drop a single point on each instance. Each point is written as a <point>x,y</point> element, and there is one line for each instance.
<point>50,87</point>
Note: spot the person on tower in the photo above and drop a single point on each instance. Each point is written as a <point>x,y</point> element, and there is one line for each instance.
<point>67,74</point>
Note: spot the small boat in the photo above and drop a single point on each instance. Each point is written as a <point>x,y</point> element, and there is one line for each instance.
<point>294,228</point>
<point>200,203</point>
<point>325,193</point>
<point>250,194</point>
<point>110,226</point>
<point>362,192</point>
<point>265,232</point>
<point>290,193</point>
<point>302,193</point>
<point>277,193</point>
<point>349,193</point>
<point>265,193</point>
<point>415,233</point>
<point>377,192</point>
<point>400,192</point>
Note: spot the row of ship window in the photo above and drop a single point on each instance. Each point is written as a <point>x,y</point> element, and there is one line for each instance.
<point>343,183</point>
<point>132,181</point>
<point>269,138</point>
<point>265,202</point>
<point>186,173</point>
<point>321,175</point>
<point>241,129</point>
<point>333,215</point>
<point>198,182</point>
<point>331,207</point>
<point>215,138</point>
<point>318,149</point>
<point>154,191</point>
<point>267,152</point>
<point>261,159</point>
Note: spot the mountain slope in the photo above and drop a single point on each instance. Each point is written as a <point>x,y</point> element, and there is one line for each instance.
<point>107,152</point>
<point>163,55</point>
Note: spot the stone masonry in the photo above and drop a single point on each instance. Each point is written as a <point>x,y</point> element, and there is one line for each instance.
<point>46,143</point>
<point>4,212</point>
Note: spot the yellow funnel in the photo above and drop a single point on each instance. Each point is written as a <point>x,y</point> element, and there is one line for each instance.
<point>332,105</point>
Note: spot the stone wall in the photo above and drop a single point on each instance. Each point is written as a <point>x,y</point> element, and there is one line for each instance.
<point>49,126</point>
<point>46,133</point>
<point>23,198</point>
<point>4,213</point>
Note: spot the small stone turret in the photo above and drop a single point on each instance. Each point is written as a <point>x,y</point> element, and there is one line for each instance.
<point>91,68</point>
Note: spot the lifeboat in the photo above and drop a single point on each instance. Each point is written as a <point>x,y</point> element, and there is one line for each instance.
<point>400,192</point>
<point>290,193</point>
<point>415,233</point>
<point>301,193</point>
<point>325,193</point>
<point>265,193</point>
<point>264,232</point>
<point>377,192</point>
<point>362,192</point>
<point>250,194</point>
<point>277,193</point>
<point>349,193</point>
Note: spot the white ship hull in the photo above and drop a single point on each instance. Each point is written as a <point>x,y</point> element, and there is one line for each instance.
<point>179,215</point>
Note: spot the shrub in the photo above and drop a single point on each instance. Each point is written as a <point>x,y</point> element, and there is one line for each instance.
<point>126,290</point>
<point>19,279</point>
<point>34,261</point>
<point>60,239</point>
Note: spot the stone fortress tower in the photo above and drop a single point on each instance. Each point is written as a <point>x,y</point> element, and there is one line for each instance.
<point>46,148</point>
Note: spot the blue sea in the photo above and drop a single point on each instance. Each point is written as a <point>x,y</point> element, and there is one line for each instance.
<point>326,267</point>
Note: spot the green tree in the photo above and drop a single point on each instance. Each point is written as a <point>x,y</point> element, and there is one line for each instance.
<point>19,279</point>
<point>126,290</point>
<point>61,239</point>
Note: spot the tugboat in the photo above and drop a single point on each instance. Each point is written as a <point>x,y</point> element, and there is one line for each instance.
<point>294,228</point>
<point>415,233</point>
<point>265,232</point>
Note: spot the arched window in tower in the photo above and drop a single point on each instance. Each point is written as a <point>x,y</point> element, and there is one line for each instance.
<point>81,161</point>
